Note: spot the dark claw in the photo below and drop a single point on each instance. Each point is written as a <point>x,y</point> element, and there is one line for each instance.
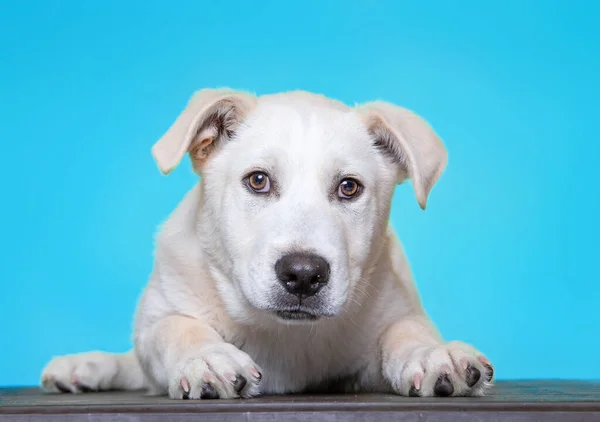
<point>61,387</point>
<point>413,392</point>
<point>259,375</point>
<point>490,372</point>
<point>186,395</point>
<point>443,386</point>
<point>84,388</point>
<point>239,384</point>
<point>209,392</point>
<point>472,375</point>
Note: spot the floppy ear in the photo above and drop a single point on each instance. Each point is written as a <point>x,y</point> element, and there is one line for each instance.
<point>409,142</point>
<point>210,117</point>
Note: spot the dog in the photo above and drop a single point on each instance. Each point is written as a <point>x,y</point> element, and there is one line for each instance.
<point>278,272</point>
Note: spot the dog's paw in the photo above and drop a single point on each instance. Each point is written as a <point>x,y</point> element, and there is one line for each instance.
<point>451,369</point>
<point>79,373</point>
<point>215,371</point>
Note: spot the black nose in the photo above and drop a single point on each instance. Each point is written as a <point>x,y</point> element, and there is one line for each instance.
<point>302,274</point>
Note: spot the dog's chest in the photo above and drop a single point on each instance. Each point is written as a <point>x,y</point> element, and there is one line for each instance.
<point>293,361</point>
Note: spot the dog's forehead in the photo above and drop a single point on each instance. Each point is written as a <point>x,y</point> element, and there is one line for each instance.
<point>305,122</point>
<point>301,135</point>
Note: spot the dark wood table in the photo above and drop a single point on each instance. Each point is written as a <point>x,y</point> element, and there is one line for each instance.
<point>514,401</point>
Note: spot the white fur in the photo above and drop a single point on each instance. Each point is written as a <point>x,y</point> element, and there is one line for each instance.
<point>207,316</point>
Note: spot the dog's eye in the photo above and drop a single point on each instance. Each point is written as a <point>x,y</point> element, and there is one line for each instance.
<point>259,182</point>
<point>348,188</point>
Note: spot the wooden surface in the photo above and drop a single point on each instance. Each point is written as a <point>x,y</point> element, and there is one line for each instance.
<point>510,401</point>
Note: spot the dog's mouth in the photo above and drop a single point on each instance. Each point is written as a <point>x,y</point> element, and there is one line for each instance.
<point>296,315</point>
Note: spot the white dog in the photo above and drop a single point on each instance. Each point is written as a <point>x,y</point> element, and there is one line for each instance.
<point>278,272</point>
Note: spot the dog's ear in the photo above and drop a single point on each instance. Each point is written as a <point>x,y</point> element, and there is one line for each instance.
<point>210,117</point>
<point>409,142</point>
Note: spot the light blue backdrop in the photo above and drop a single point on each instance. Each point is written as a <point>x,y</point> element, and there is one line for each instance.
<point>506,255</point>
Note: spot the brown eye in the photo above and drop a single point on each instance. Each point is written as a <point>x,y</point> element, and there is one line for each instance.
<point>348,188</point>
<point>259,182</point>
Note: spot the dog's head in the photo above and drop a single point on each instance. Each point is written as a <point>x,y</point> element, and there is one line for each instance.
<point>296,192</point>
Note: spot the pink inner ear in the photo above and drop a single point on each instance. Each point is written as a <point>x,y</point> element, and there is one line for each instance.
<point>199,151</point>
<point>215,124</point>
<point>202,144</point>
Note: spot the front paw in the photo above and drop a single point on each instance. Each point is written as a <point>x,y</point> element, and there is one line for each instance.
<point>215,371</point>
<point>451,369</point>
<point>80,373</point>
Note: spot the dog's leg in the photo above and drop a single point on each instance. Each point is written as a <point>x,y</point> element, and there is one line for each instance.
<point>93,371</point>
<point>417,362</point>
<point>190,360</point>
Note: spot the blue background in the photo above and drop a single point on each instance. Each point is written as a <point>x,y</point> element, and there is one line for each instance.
<point>506,255</point>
